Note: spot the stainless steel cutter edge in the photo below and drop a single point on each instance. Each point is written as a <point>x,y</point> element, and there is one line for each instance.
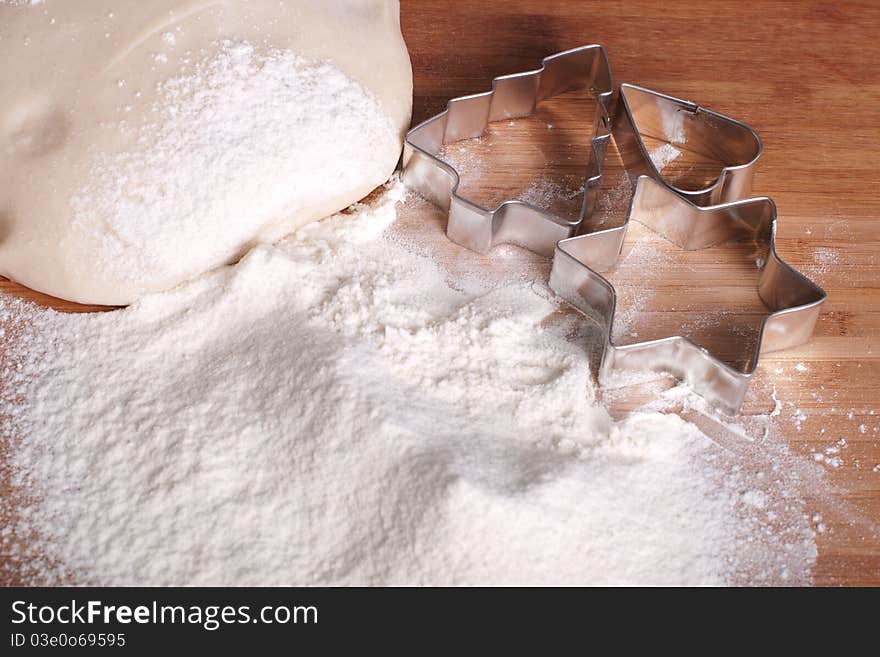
<point>642,111</point>
<point>794,299</point>
<point>512,96</point>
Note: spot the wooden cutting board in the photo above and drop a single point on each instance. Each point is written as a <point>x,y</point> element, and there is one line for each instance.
<point>805,76</point>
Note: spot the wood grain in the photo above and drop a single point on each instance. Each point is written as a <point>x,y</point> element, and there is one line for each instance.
<point>805,76</point>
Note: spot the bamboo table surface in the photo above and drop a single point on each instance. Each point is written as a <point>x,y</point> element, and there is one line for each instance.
<point>804,75</point>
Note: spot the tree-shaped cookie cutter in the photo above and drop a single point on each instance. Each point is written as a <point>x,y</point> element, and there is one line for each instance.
<point>512,96</point>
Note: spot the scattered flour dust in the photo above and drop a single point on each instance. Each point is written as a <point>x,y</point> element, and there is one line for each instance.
<point>664,155</point>
<point>332,411</point>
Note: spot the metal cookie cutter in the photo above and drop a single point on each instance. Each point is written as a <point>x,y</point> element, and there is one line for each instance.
<point>680,122</point>
<point>793,299</point>
<point>680,215</point>
<point>512,96</point>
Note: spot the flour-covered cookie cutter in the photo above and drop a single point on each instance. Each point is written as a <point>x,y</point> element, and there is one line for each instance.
<point>793,299</point>
<point>512,96</point>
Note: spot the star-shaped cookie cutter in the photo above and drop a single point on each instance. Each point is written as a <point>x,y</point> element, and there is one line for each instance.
<point>793,300</point>
<point>512,96</point>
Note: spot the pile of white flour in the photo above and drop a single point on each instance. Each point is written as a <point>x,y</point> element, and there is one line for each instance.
<point>335,410</point>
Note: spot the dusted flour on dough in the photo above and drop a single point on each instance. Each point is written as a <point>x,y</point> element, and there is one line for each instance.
<point>336,410</point>
<point>244,141</point>
<point>145,143</point>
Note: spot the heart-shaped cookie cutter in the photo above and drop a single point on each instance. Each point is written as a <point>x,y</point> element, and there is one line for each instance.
<point>679,122</point>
